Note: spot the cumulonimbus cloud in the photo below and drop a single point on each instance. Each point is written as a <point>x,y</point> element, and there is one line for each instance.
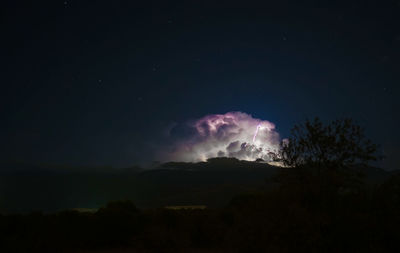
<point>233,134</point>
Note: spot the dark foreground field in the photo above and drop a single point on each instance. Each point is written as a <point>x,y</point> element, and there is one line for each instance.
<point>251,207</point>
<point>275,221</point>
<point>295,213</point>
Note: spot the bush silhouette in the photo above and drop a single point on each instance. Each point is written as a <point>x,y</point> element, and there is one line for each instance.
<point>324,159</point>
<point>341,143</point>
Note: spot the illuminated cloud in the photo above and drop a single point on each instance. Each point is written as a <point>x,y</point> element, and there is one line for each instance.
<point>233,134</point>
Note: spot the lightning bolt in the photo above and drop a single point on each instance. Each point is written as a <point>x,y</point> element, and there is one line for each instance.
<point>255,134</point>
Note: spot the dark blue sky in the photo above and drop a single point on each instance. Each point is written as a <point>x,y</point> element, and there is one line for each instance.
<point>96,83</point>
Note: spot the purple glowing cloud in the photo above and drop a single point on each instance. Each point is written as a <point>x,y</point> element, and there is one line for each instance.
<point>233,134</point>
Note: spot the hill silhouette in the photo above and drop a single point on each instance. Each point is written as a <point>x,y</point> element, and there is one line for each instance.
<point>213,183</point>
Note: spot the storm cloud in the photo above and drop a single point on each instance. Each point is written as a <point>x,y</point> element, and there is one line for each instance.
<point>233,134</point>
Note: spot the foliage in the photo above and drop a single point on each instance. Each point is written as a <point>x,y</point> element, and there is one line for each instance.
<point>341,143</point>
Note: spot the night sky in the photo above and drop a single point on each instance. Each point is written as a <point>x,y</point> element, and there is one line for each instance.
<point>94,83</point>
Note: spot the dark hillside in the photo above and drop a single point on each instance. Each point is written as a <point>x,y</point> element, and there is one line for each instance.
<point>212,183</point>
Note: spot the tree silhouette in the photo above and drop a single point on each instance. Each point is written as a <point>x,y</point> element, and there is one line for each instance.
<point>339,144</point>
